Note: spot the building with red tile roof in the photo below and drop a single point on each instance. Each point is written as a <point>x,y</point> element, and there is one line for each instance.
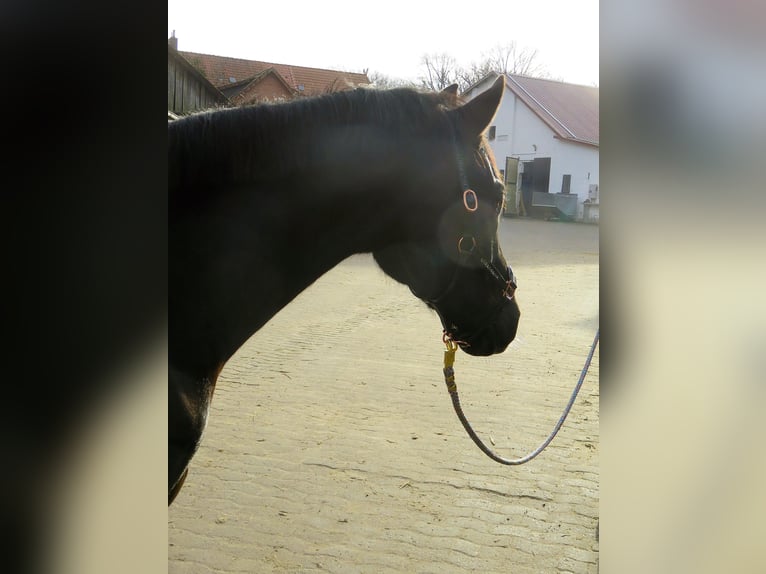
<point>249,81</point>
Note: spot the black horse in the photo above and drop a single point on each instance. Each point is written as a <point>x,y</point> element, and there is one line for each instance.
<point>264,200</point>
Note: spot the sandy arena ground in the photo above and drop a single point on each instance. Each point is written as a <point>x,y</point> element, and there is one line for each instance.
<point>332,445</point>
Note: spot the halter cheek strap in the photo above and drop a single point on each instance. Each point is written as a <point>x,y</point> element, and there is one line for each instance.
<point>468,248</point>
<point>465,247</point>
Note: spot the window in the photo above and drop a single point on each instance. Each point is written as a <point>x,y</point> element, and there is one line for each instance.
<point>565,183</point>
<point>492,130</point>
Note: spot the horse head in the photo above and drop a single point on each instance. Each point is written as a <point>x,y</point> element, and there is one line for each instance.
<point>454,262</point>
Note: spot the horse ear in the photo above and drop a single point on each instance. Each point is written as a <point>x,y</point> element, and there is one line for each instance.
<point>476,115</point>
<point>450,90</point>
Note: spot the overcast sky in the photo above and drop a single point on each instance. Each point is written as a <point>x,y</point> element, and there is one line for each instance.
<point>391,36</point>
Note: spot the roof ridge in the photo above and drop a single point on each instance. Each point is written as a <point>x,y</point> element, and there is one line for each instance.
<point>552,80</point>
<point>271,63</point>
<point>546,110</point>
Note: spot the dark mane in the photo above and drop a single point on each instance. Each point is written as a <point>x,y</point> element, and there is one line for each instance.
<point>270,138</point>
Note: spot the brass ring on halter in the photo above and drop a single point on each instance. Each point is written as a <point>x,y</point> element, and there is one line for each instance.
<point>473,201</point>
<point>510,290</point>
<point>460,244</point>
<point>452,344</point>
<point>447,340</point>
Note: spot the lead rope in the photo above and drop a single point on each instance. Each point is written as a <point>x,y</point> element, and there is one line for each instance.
<point>449,379</point>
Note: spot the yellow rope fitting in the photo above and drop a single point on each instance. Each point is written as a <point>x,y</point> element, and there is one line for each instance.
<point>449,353</point>
<point>449,358</point>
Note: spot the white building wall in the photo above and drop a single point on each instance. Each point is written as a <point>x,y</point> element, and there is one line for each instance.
<point>579,161</point>
<point>520,133</point>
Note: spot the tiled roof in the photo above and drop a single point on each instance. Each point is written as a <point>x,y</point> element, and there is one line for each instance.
<point>247,91</point>
<point>570,110</point>
<point>223,71</point>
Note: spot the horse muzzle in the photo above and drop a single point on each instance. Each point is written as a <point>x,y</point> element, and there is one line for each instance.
<point>494,337</point>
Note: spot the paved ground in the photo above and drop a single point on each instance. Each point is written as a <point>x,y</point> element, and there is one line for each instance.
<point>332,445</point>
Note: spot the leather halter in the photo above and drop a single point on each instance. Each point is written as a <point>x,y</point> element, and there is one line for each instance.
<point>469,249</point>
<point>467,246</point>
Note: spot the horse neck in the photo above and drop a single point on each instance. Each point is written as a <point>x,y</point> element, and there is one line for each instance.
<point>346,196</point>
<point>268,237</point>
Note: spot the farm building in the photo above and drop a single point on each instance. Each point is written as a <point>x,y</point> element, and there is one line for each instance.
<point>545,138</point>
<point>188,89</point>
<point>202,81</point>
<point>246,82</point>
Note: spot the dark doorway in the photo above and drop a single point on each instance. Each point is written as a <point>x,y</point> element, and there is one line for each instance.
<point>566,183</point>
<point>536,177</point>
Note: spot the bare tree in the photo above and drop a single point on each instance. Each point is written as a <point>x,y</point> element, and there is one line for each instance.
<point>383,82</point>
<point>510,59</point>
<point>441,71</point>
<point>474,73</point>
<point>503,59</point>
